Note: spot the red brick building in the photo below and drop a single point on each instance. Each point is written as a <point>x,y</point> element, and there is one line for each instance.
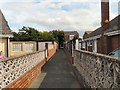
<point>69,35</point>
<point>86,34</point>
<point>106,38</point>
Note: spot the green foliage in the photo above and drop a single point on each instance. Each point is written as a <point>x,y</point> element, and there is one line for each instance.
<point>28,33</point>
<point>32,34</point>
<point>58,36</point>
<point>16,37</point>
<point>47,36</point>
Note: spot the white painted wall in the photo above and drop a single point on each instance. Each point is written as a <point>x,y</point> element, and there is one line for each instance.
<point>71,37</point>
<point>50,45</point>
<point>83,44</point>
<point>8,47</point>
<point>95,46</point>
<point>79,46</point>
<point>41,46</point>
<point>77,43</point>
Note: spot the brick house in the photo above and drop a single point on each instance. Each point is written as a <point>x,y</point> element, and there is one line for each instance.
<point>69,35</point>
<point>86,34</point>
<point>5,35</point>
<point>103,44</point>
<point>112,35</point>
<point>105,38</point>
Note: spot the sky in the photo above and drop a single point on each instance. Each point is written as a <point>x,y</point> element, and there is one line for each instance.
<point>47,15</point>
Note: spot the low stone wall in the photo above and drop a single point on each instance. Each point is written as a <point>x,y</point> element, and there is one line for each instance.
<point>20,71</point>
<point>69,56</point>
<point>26,79</point>
<point>97,70</point>
<point>12,70</point>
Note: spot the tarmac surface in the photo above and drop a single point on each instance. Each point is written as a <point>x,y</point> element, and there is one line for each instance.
<point>58,73</point>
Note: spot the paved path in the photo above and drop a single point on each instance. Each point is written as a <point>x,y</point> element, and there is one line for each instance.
<point>59,73</point>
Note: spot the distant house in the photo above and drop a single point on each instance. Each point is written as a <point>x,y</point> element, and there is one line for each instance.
<point>89,42</point>
<point>112,35</point>
<point>86,34</point>
<point>5,35</point>
<point>69,35</point>
<point>106,38</point>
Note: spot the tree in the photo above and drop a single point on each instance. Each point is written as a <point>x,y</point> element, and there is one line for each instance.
<point>58,36</point>
<point>16,37</point>
<point>32,34</point>
<point>27,34</point>
<point>47,36</point>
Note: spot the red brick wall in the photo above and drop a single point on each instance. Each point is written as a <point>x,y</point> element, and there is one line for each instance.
<point>76,36</point>
<point>115,42</point>
<point>85,35</point>
<point>102,45</point>
<point>103,48</point>
<point>109,44</point>
<point>52,51</point>
<point>90,48</point>
<point>25,80</point>
<point>104,12</point>
<point>99,50</point>
<point>67,37</point>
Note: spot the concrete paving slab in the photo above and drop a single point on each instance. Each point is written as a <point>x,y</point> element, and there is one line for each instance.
<point>37,82</point>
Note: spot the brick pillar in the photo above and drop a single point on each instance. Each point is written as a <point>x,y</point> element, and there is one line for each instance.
<point>109,44</point>
<point>46,49</point>
<point>104,24</point>
<point>37,46</point>
<point>104,12</point>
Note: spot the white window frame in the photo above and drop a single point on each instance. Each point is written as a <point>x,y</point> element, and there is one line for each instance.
<point>17,47</point>
<point>83,44</point>
<point>71,37</point>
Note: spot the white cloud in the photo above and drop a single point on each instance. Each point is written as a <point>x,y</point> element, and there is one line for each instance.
<point>49,15</point>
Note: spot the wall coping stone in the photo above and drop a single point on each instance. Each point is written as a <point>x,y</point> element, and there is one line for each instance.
<point>11,58</point>
<point>99,55</point>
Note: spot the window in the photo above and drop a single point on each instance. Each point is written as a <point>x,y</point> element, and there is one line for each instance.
<point>93,46</point>
<point>83,45</point>
<point>29,47</point>
<point>17,47</point>
<point>71,37</point>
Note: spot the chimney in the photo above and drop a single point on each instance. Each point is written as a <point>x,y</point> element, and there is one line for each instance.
<point>104,12</point>
<point>105,25</point>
